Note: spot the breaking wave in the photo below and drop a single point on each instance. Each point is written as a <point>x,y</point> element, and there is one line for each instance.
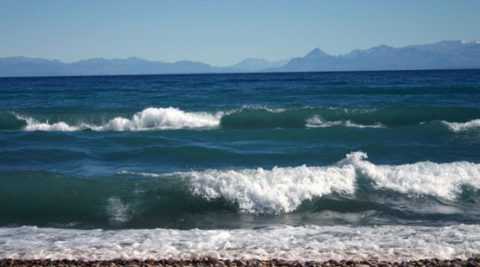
<point>353,185</point>
<point>148,119</point>
<point>172,118</point>
<point>317,122</point>
<point>463,126</point>
<point>285,189</point>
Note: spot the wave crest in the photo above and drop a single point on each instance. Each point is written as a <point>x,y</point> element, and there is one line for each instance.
<point>462,126</point>
<point>148,119</point>
<point>244,118</point>
<point>284,189</point>
<point>163,119</point>
<point>317,122</point>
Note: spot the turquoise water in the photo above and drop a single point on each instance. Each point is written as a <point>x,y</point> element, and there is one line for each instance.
<point>241,151</point>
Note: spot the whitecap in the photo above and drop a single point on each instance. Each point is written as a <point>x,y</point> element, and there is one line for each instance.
<point>284,189</point>
<point>148,119</point>
<point>462,126</point>
<point>317,122</point>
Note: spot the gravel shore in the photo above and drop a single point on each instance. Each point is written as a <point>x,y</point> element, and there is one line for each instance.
<point>220,263</point>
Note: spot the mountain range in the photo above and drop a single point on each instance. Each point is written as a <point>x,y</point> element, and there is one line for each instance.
<point>440,55</point>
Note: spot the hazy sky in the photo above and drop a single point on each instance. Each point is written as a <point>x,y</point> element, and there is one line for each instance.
<point>222,32</point>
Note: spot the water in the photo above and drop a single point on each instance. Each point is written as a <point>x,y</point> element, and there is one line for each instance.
<point>296,166</point>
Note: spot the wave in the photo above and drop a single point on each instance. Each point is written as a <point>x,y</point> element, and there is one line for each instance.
<point>245,118</point>
<point>302,243</point>
<point>285,189</point>
<point>317,122</point>
<point>463,126</point>
<point>174,119</point>
<point>34,125</point>
<point>417,191</point>
<point>148,119</point>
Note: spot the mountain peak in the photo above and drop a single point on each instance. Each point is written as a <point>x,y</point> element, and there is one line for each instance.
<point>382,47</point>
<point>440,55</point>
<point>257,64</point>
<point>317,52</point>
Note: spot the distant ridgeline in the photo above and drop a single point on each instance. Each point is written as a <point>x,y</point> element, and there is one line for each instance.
<point>441,55</point>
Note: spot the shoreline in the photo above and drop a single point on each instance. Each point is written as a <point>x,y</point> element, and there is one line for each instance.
<point>470,262</point>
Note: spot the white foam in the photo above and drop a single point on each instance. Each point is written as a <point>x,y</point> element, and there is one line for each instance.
<point>148,119</point>
<point>144,174</point>
<point>272,191</point>
<point>282,242</point>
<point>164,118</point>
<point>317,122</point>
<point>34,125</point>
<point>462,126</point>
<point>170,119</point>
<point>117,211</point>
<point>283,189</point>
<point>260,107</point>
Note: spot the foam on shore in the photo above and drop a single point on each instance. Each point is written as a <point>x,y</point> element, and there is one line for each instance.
<point>317,243</point>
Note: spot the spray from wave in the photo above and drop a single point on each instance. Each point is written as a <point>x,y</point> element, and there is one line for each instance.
<point>117,210</point>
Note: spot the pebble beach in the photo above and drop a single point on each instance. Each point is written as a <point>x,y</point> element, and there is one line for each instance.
<point>471,262</point>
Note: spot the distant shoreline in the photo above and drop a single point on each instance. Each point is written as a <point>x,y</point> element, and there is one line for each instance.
<point>240,73</point>
<point>453,54</point>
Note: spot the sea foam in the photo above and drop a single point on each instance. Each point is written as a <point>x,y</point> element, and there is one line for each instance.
<point>284,189</point>
<point>317,122</point>
<point>34,125</point>
<point>282,242</point>
<point>118,212</point>
<point>462,126</point>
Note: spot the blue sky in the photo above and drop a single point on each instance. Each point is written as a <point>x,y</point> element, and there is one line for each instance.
<point>222,32</point>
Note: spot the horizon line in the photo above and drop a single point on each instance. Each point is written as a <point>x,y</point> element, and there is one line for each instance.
<point>242,73</point>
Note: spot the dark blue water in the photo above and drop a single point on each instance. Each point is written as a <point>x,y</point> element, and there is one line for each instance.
<point>241,150</point>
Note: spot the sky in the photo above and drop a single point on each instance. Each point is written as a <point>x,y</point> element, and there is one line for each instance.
<point>223,32</point>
